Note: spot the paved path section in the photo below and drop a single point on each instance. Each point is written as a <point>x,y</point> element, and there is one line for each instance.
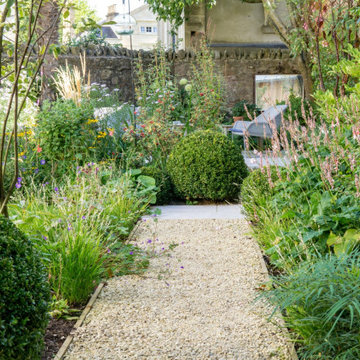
<point>195,302</point>
<point>188,212</point>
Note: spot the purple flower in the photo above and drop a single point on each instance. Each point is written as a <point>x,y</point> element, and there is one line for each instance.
<point>36,171</point>
<point>19,179</point>
<point>42,162</point>
<point>131,253</point>
<point>181,267</point>
<point>56,190</point>
<point>24,157</point>
<point>44,237</point>
<point>18,185</point>
<point>149,241</point>
<point>69,227</point>
<point>108,251</point>
<point>83,217</point>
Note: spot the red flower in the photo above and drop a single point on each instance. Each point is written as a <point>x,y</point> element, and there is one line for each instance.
<point>125,129</point>
<point>201,94</point>
<point>39,149</point>
<point>143,126</point>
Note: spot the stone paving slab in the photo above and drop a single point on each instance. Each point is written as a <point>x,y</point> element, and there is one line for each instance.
<point>188,212</point>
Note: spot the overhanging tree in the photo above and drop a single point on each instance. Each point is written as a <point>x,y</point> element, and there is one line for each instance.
<point>27,29</point>
<point>318,33</point>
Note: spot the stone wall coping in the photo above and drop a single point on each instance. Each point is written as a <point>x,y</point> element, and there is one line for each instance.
<point>249,53</point>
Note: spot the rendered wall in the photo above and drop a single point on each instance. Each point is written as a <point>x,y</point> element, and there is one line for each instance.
<point>231,22</point>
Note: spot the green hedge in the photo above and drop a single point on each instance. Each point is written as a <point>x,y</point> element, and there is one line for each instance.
<point>206,165</point>
<point>24,296</point>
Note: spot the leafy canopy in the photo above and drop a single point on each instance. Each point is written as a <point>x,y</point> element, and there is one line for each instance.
<point>172,10</point>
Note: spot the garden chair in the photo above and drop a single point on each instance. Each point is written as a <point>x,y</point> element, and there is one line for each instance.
<point>261,126</point>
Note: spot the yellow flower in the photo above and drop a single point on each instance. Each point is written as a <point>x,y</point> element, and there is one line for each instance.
<point>22,153</point>
<point>102,134</point>
<point>92,121</point>
<point>21,134</point>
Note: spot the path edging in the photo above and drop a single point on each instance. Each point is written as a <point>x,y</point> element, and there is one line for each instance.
<point>290,344</point>
<point>60,354</point>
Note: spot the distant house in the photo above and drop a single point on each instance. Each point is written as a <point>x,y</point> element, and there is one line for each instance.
<point>145,30</point>
<point>232,23</point>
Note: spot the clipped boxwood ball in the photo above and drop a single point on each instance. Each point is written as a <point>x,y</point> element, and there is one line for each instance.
<point>24,296</point>
<point>207,165</point>
<point>256,191</point>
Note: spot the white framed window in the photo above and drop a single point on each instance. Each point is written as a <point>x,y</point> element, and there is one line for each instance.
<point>148,29</point>
<point>142,29</point>
<point>272,89</point>
<point>155,29</point>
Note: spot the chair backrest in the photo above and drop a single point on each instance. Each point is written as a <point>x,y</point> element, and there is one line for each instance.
<point>273,113</point>
<point>260,126</point>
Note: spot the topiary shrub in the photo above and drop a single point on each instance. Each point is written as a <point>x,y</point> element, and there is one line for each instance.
<point>206,165</point>
<point>255,191</point>
<point>24,296</point>
<point>163,182</point>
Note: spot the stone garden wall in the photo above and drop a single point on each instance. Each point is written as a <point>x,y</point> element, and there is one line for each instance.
<point>238,65</point>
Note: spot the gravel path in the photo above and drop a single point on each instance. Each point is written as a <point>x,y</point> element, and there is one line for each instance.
<point>195,302</point>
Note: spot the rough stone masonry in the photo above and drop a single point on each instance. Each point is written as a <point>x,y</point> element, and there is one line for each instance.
<point>113,66</point>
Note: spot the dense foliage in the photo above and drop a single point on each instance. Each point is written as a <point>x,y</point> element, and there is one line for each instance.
<point>255,191</point>
<point>244,108</point>
<point>24,296</point>
<point>322,303</point>
<point>206,165</point>
<point>163,182</point>
<point>309,223</point>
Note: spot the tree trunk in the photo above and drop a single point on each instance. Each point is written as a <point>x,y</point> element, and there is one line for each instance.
<point>284,32</point>
<point>48,31</point>
<point>304,65</point>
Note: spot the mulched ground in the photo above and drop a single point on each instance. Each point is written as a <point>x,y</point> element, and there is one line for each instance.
<point>56,333</point>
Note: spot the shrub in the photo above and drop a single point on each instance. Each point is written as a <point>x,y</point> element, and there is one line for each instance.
<point>300,107</point>
<point>322,303</point>
<point>163,182</point>
<point>206,165</point>
<point>24,296</point>
<point>240,110</point>
<point>64,131</point>
<point>255,191</point>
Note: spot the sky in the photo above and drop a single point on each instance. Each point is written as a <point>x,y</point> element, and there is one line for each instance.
<point>101,6</point>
